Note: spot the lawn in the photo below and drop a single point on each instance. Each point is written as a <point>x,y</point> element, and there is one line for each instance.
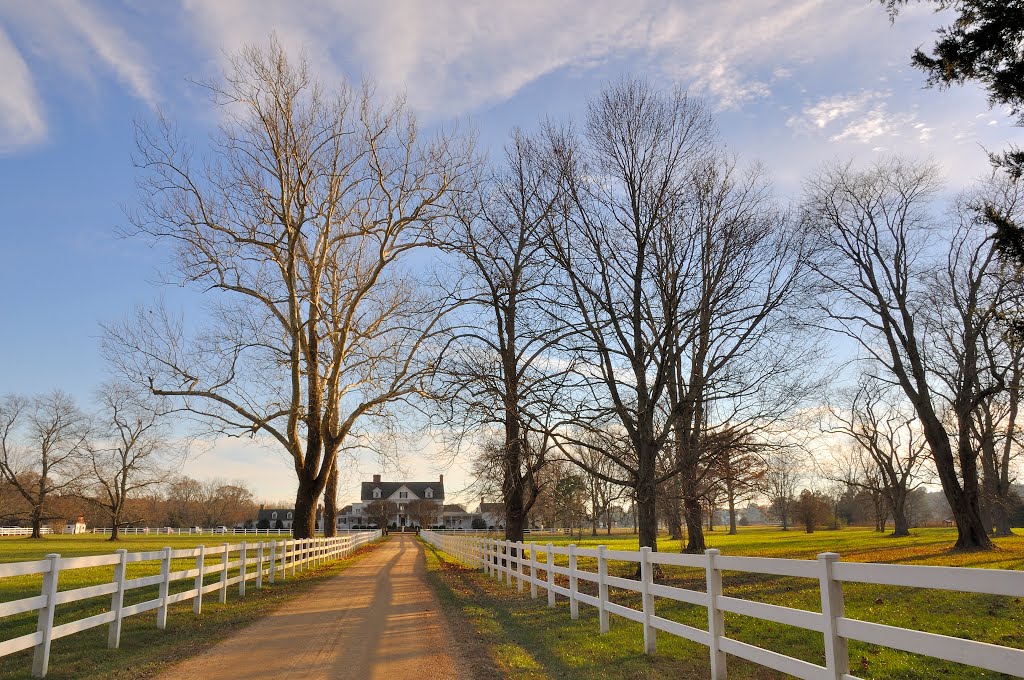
<point>144,649</point>
<point>527,639</point>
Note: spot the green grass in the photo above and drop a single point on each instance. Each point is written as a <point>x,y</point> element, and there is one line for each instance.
<point>144,649</point>
<point>570,649</point>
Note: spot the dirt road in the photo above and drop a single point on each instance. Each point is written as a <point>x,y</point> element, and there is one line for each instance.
<point>377,620</point>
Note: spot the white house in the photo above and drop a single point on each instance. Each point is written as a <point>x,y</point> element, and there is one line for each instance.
<point>399,493</point>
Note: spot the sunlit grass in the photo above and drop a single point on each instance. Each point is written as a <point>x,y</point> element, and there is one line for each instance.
<point>574,649</point>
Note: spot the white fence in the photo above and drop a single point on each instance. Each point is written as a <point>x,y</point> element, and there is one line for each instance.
<point>22,531</point>
<point>193,531</point>
<point>257,561</point>
<point>525,563</point>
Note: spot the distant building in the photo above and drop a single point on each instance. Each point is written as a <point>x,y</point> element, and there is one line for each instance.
<point>456,517</point>
<point>493,514</point>
<point>399,493</point>
<point>282,518</point>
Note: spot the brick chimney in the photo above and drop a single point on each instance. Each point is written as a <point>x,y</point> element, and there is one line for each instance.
<point>442,479</point>
<point>376,479</point>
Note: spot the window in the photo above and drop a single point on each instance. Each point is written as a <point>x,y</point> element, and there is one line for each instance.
<point>376,493</point>
<point>429,493</point>
<point>273,515</point>
<point>289,515</point>
<point>403,494</point>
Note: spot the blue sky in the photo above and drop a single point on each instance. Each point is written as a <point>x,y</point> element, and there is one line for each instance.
<point>794,83</point>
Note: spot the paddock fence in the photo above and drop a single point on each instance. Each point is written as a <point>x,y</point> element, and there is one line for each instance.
<point>535,566</point>
<point>22,531</point>
<point>263,561</point>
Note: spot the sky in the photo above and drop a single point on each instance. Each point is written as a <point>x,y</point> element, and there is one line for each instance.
<point>793,84</point>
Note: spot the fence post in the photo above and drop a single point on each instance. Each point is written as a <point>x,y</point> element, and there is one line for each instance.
<point>223,596</point>
<point>551,575</point>
<point>259,565</point>
<point>533,570</point>
<point>243,553</point>
<point>520,564</point>
<point>295,554</point>
<point>716,619</point>
<point>197,603</point>
<point>117,600</point>
<point>837,655</point>
<point>41,656</point>
<point>165,584</point>
<point>574,604</point>
<point>602,587</point>
<point>646,578</point>
<point>485,556</point>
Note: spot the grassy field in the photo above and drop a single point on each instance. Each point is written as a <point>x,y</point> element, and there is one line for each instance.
<point>144,649</point>
<point>528,640</point>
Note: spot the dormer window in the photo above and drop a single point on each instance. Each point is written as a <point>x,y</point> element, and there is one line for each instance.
<point>289,515</point>
<point>429,493</point>
<point>376,493</point>
<point>273,515</point>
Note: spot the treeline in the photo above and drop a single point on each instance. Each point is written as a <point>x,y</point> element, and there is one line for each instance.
<point>116,466</point>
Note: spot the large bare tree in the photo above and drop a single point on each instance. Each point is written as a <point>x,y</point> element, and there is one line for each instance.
<point>297,223</point>
<point>42,450</point>
<point>678,274</point>
<point>502,370</point>
<point>877,243</point>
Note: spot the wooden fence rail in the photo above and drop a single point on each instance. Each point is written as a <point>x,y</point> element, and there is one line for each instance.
<point>256,561</point>
<point>523,563</point>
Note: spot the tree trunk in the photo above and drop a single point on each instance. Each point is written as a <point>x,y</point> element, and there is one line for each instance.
<point>694,525</point>
<point>37,522</point>
<point>1002,518</point>
<point>331,502</point>
<point>963,500</point>
<point>731,494</point>
<point>115,529</point>
<point>673,514</point>
<point>304,523</point>
<point>901,527</point>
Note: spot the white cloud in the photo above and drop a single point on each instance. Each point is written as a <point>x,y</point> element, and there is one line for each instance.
<point>452,57</point>
<point>80,42</point>
<point>22,120</point>
<point>862,117</point>
<point>124,56</point>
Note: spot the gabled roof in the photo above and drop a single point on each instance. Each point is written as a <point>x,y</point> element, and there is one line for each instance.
<point>492,508</point>
<point>388,488</point>
<point>454,507</point>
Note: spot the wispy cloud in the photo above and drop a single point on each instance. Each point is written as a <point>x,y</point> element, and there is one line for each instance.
<point>862,117</point>
<point>22,121</point>
<point>453,57</point>
<point>81,42</point>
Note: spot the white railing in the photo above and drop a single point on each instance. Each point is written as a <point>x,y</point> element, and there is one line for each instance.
<point>525,561</point>
<point>256,561</point>
<point>197,531</point>
<point>22,531</point>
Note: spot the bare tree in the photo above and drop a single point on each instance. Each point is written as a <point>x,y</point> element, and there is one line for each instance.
<point>424,513</point>
<point>624,187</point>
<point>679,271</point>
<point>380,512</point>
<point>499,371</point>
<point>882,428</point>
<point>783,475</point>
<point>874,233</point>
<point>132,453</point>
<point>299,220</point>
<point>42,449</point>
